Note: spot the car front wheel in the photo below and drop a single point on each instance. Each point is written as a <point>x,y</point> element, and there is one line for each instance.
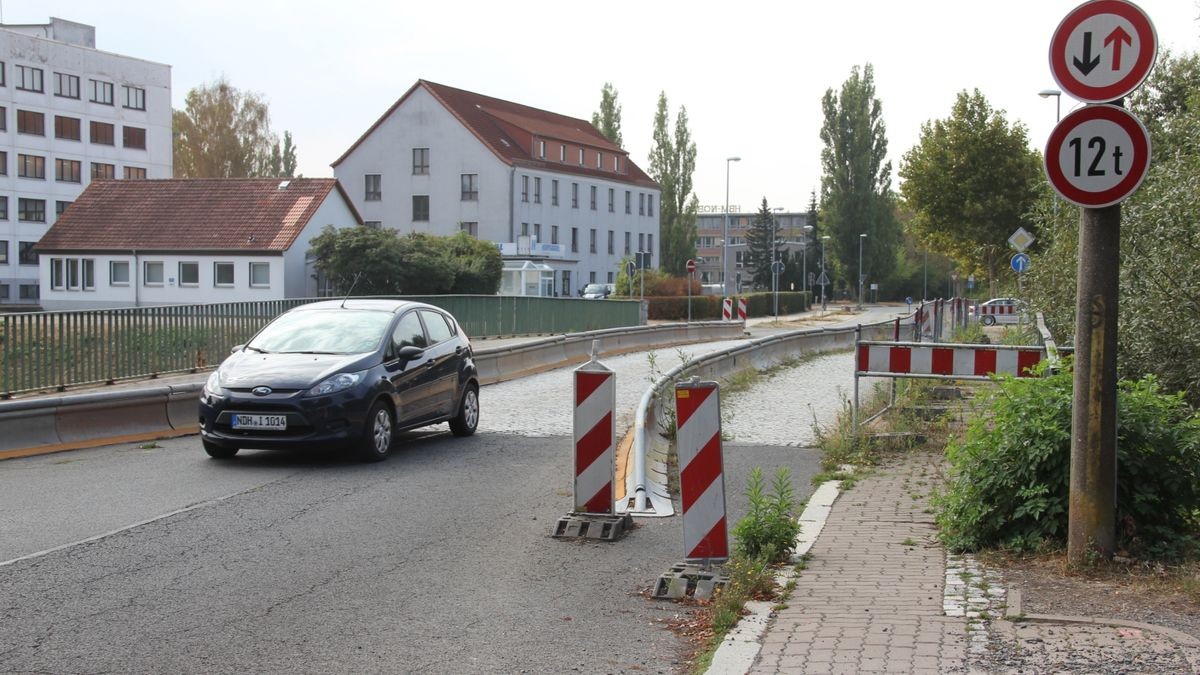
<point>467,420</point>
<point>988,320</point>
<point>376,439</point>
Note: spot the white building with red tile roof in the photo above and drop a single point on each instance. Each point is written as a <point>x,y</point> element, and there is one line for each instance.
<point>550,190</point>
<point>69,114</point>
<point>186,241</point>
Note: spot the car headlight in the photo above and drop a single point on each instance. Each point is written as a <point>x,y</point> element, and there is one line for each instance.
<point>213,385</point>
<point>339,382</point>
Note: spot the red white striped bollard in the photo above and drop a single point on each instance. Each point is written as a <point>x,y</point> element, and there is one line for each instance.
<point>727,309</point>
<point>701,475</point>
<point>741,309</point>
<point>595,434</point>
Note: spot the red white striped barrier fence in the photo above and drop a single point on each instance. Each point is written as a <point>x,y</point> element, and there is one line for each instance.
<point>595,434</point>
<point>950,361</point>
<point>701,474</point>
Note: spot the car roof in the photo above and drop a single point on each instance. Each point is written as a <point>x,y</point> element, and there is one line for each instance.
<point>376,304</point>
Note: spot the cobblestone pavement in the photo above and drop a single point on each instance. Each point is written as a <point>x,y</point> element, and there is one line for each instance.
<point>1028,647</point>
<point>782,408</point>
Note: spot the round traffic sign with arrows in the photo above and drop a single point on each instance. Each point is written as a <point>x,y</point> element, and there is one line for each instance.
<point>1097,155</point>
<point>1103,50</point>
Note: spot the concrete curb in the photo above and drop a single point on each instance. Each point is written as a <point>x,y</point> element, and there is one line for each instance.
<point>1015,615</point>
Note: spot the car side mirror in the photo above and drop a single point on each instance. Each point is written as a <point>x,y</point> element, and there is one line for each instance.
<point>409,352</point>
<point>236,349</point>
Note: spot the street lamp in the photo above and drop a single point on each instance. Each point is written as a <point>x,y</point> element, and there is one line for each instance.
<point>804,253</point>
<point>824,244</point>
<point>1047,93</point>
<point>861,237</point>
<point>725,253</point>
<point>775,259</point>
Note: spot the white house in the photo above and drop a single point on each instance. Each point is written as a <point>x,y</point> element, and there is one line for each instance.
<point>185,241</point>
<point>69,114</point>
<point>550,190</point>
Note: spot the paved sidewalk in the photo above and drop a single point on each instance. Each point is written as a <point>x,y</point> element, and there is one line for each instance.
<point>874,598</point>
<point>870,599</point>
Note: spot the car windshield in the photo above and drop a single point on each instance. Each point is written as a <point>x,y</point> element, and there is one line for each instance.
<point>594,288</point>
<point>333,331</point>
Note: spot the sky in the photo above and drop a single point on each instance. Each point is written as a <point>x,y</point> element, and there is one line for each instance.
<point>751,74</point>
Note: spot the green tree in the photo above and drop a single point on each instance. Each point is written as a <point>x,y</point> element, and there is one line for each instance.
<point>672,163</point>
<point>760,246</point>
<point>971,181</point>
<point>608,118</point>
<point>367,258</point>
<point>856,181</point>
<point>282,163</point>
<point>223,132</point>
<point>477,265</point>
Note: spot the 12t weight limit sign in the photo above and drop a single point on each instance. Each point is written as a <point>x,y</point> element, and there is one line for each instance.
<point>1097,156</point>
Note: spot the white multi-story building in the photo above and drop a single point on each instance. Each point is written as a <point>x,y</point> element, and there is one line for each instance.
<point>558,197</point>
<point>69,114</point>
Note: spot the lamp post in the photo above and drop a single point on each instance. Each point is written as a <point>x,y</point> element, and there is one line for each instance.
<point>1047,93</point>
<point>725,244</point>
<point>775,259</point>
<point>861,237</point>
<point>824,244</point>
<point>804,254</point>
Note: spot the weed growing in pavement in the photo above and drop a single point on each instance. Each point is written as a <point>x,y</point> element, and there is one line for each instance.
<point>770,527</point>
<point>749,579</point>
<point>908,542</point>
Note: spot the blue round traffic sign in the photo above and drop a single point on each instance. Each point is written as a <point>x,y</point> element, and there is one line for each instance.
<point>1020,262</point>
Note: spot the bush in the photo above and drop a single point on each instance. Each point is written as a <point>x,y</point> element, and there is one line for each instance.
<point>704,308</point>
<point>1010,475</point>
<point>768,532</point>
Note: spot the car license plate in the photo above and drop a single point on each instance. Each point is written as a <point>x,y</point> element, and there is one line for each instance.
<point>267,422</point>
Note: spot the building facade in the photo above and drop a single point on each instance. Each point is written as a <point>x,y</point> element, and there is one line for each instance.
<point>189,241</point>
<point>795,237</point>
<point>69,114</point>
<point>553,193</point>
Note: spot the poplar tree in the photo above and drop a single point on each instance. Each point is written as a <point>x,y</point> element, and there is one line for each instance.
<point>608,118</point>
<point>672,163</point>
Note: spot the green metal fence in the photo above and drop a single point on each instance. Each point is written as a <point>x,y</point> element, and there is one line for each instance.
<point>54,350</point>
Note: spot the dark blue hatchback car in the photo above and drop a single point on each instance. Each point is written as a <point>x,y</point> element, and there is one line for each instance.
<point>350,373</point>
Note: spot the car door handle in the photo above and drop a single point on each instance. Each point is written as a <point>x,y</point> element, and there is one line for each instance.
<point>458,351</point>
<point>429,363</point>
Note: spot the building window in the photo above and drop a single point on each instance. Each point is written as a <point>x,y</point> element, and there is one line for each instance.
<point>373,189</point>
<point>641,242</point>
<point>599,160</point>
<point>524,188</point>
<point>553,234</point>
<point>471,228</point>
<point>67,128</point>
<point>524,229</point>
<point>189,274</point>
<point>32,123</point>
<point>4,216</point>
<point>66,85</point>
<point>152,273</point>
<point>89,274</point>
<point>612,200</point>
<point>223,274</point>
<point>101,170</point>
<point>650,205</point>
<point>610,277</point>
<point>537,190</point>
<point>641,203</point>
<point>31,166</point>
<point>537,232</point>
<point>593,197</point>
<point>133,137</point>
<point>574,240</point>
<point>562,152</point>
<point>60,207</point>
<point>650,244</point>
<point>554,192</point>
<point>2,82</point>
<point>118,273</point>
<point>135,97</point>
<point>591,277</point>
<point>420,161</point>
<point>29,78</point>
<point>3,115</point>
<point>25,254</point>
<point>420,205</point>
<point>135,173</point>
<point>470,187</point>
<point>581,157</point>
<point>542,149</point>
<point>29,292</point>
<point>574,195</point>
<point>617,164</point>
<point>102,92</point>
<point>592,241</point>
<point>628,239</point>
<point>56,274</point>
<point>3,162</point>
<point>260,275</point>
<point>628,202</point>
<point>68,171</point>
<point>31,210</point>
<point>612,242</point>
<point>101,133</point>
<point>566,283</point>
<point>3,291</point>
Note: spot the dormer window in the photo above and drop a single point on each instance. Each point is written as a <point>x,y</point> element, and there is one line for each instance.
<point>562,152</point>
<point>581,157</point>
<point>599,160</point>
<point>617,164</point>
<point>542,149</point>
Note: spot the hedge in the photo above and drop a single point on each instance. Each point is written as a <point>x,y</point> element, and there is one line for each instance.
<point>705,307</point>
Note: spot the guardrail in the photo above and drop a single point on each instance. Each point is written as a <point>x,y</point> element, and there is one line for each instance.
<point>71,421</point>
<point>54,350</point>
<point>649,494</point>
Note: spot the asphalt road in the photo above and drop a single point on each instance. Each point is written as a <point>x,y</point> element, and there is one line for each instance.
<point>437,560</point>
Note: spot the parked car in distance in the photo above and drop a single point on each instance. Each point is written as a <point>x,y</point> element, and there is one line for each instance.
<point>1001,311</point>
<point>597,291</point>
<point>349,373</point>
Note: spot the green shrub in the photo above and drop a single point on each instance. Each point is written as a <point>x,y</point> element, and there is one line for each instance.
<point>1010,475</point>
<point>768,532</point>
